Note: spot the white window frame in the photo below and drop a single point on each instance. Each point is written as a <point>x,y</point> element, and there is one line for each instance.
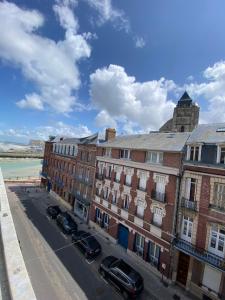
<point>219,238</point>
<point>187,228</point>
<point>114,197</point>
<point>108,152</point>
<point>125,154</point>
<point>189,147</point>
<point>218,159</point>
<point>154,157</point>
<point>219,195</point>
<point>106,220</point>
<point>106,193</point>
<point>128,179</point>
<point>140,208</point>
<point>142,183</point>
<point>126,201</point>
<point>139,243</point>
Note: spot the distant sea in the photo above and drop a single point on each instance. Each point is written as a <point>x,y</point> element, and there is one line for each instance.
<point>13,168</point>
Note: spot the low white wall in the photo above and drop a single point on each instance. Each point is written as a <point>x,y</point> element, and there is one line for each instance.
<point>19,282</point>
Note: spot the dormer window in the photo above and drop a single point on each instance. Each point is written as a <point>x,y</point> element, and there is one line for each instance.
<point>154,157</point>
<point>194,153</point>
<point>108,152</point>
<point>221,154</point>
<point>125,154</point>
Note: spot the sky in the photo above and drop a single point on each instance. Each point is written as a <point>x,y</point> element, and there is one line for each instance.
<point>76,67</point>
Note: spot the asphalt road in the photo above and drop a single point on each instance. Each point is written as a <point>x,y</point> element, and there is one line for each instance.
<point>57,269</point>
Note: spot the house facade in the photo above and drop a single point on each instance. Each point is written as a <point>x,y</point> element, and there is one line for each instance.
<point>136,191</point>
<point>199,255</point>
<point>68,171</point>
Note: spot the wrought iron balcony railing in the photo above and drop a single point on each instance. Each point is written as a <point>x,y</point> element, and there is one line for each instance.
<point>189,204</point>
<point>100,176</point>
<point>161,197</point>
<point>82,198</point>
<point>200,254</point>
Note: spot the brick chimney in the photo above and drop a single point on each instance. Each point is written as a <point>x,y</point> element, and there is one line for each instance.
<point>110,134</point>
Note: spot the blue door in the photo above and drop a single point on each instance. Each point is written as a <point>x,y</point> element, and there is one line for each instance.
<point>123,233</point>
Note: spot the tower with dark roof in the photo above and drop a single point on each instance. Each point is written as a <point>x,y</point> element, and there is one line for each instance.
<point>185,116</point>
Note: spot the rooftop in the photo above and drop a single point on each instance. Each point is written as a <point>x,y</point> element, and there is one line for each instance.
<point>208,133</point>
<point>172,142</point>
<point>92,139</point>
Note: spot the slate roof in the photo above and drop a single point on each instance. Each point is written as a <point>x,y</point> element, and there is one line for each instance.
<point>185,97</point>
<point>92,139</point>
<point>208,133</point>
<point>159,141</point>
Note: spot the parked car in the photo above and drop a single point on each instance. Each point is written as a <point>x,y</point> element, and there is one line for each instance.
<point>66,223</point>
<point>53,211</point>
<point>122,276</point>
<point>86,243</point>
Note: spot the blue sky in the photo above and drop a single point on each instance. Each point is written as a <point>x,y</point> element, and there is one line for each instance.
<point>75,67</point>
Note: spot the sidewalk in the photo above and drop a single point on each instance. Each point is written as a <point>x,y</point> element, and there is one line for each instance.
<point>153,285</point>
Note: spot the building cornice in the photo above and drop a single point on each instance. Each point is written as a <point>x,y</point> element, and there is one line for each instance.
<point>138,165</point>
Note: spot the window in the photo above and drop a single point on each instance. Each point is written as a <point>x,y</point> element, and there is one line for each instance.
<point>105,221</point>
<point>222,155</point>
<point>157,216</point>
<point>139,244</point>
<point>108,171</point>
<point>126,202</point>
<point>154,157</point>
<point>194,153</point>
<point>106,193</point>
<point>117,177</point>
<point>125,154</point>
<point>98,215</point>
<point>114,197</point>
<point>219,196</point>
<point>190,189</point>
<point>153,254</point>
<point>140,208</point>
<point>186,230</point>
<point>217,241</point>
<point>100,169</point>
<point>142,183</point>
<point>128,180</point>
<point>108,152</point>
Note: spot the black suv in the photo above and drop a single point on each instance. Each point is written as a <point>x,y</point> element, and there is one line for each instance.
<point>66,223</point>
<point>86,243</point>
<point>122,276</point>
<point>53,211</point>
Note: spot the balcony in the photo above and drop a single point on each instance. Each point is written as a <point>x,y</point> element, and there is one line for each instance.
<point>161,197</point>
<point>100,176</point>
<point>200,254</point>
<point>186,203</point>
<point>140,188</point>
<point>216,207</point>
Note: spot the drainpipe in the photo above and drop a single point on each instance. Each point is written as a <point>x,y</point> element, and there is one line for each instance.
<point>176,211</point>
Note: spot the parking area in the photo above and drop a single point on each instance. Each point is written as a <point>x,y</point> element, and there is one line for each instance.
<point>57,268</point>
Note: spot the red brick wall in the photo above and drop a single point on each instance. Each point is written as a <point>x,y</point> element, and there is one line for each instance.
<point>138,155</point>
<point>172,160</point>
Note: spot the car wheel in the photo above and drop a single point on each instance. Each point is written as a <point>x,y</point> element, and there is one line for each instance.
<point>125,295</point>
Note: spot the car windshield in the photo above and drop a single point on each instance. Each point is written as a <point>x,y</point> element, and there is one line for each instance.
<point>92,242</point>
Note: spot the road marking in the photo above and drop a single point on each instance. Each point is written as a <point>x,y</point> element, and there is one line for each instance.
<point>65,237</point>
<point>89,261</point>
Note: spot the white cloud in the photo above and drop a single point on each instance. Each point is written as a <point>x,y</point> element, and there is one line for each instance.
<point>212,90</point>
<point>103,119</point>
<point>107,13</point>
<point>51,65</point>
<point>43,132</point>
<point>31,101</point>
<point>122,99</point>
<point>139,42</point>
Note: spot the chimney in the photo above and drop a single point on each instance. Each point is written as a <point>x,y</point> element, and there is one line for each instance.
<point>110,134</point>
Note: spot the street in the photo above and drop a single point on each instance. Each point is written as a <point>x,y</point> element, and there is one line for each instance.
<point>57,269</point>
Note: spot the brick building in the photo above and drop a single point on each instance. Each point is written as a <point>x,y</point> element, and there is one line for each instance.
<point>199,263</point>
<point>137,183</point>
<point>69,169</point>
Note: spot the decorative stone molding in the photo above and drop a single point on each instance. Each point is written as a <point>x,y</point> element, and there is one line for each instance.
<point>141,194</point>
<point>128,171</point>
<point>143,174</point>
<point>117,168</point>
<point>138,200</point>
<point>156,208</point>
<point>160,178</point>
